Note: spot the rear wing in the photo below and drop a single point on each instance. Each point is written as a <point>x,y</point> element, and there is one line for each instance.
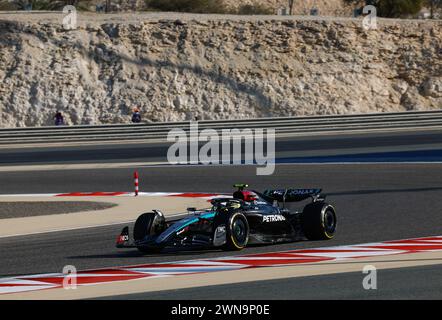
<point>293,195</point>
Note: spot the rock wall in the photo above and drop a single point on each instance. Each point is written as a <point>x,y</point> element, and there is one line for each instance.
<point>325,7</point>
<point>220,68</point>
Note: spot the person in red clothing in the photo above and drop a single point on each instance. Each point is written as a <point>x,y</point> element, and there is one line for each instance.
<point>136,116</point>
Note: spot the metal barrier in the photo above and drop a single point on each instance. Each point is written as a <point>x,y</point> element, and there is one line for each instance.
<point>283,126</point>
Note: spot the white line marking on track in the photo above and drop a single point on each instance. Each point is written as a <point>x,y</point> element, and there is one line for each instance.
<point>99,166</point>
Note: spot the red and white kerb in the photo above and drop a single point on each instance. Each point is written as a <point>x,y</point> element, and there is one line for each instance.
<point>230,263</point>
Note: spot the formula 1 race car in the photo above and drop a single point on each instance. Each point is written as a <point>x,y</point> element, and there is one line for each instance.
<point>232,223</point>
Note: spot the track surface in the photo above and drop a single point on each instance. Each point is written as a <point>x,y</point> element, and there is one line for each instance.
<point>285,147</point>
<point>404,283</point>
<point>374,203</point>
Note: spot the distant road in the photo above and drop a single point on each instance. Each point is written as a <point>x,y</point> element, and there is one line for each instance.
<point>293,147</point>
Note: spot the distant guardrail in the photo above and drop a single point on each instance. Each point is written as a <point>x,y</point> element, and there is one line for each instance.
<point>283,126</point>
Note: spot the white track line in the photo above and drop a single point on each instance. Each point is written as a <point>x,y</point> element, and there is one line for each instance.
<point>98,166</point>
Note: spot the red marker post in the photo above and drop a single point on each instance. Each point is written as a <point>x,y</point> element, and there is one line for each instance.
<point>136,182</point>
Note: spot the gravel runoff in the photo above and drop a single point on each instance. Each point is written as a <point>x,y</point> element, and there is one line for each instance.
<point>40,208</point>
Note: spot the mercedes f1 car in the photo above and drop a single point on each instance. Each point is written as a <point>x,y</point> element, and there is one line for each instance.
<point>232,223</point>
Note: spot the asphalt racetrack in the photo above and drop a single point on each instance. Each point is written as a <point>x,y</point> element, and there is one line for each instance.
<point>375,202</point>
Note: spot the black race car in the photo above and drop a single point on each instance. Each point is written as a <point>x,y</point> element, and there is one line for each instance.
<point>249,217</point>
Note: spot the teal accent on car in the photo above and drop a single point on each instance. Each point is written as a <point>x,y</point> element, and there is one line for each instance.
<point>177,226</point>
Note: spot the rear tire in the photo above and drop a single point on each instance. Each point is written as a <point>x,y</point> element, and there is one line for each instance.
<point>319,221</point>
<point>237,232</point>
<point>148,224</point>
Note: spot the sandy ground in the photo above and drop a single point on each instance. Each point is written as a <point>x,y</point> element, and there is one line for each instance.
<point>82,166</point>
<point>84,17</point>
<point>128,209</point>
<point>226,277</point>
<point>14,209</point>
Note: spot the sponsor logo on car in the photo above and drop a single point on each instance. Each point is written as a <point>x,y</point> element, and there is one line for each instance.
<point>302,191</point>
<point>123,238</point>
<point>220,236</point>
<point>273,218</point>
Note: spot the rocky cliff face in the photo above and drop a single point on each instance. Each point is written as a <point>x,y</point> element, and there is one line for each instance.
<point>214,68</point>
<point>325,7</point>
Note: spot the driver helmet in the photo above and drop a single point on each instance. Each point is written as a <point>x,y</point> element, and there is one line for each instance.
<point>247,196</point>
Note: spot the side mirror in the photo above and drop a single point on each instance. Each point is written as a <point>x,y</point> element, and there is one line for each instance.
<point>192,209</point>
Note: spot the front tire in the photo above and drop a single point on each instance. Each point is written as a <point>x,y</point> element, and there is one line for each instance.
<point>319,221</point>
<point>148,224</point>
<point>237,232</point>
